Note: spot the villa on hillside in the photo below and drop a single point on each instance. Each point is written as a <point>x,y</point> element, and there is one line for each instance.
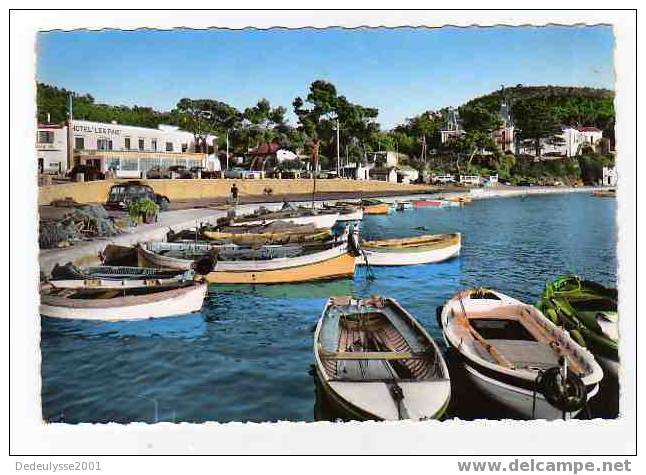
<point>572,141</point>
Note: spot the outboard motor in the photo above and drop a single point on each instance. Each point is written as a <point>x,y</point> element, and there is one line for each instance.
<point>563,389</point>
<point>204,265</point>
<point>354,244</point>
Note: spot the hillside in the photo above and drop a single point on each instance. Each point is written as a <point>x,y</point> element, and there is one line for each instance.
<point>570,105</point>
<point>53,101</point>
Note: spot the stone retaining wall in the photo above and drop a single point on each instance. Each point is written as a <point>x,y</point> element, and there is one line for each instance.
<point>97,191</point>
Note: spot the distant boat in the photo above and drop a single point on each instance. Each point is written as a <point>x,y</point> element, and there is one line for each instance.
<point>374,206</point>
<point>375,361</point>
<point>430,248</point>
<point>265,265</point>
<point>517,357</point>
<point>403,205</point>
<point>290,214</point>
<point>589,312</point>
<point>611,193</point>
<point>114,304</point>
<point>431,203</point>
<point>346,212</point>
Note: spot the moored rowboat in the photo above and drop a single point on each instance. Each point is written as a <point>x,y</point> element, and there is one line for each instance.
<point>426,249</point>
<point>375,361</point>
<point>122,304</point>
<point>518,357</point>
<point>588,311</point>
<point>267,265</point>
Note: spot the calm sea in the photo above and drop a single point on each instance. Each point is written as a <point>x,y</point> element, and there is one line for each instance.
<point>248,355</point>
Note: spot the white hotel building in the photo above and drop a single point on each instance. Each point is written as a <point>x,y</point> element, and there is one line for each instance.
<point>125,150</point>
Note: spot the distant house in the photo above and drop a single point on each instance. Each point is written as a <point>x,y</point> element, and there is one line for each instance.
<point>51,148</point>
<point>383,174</point>
<point>505,136</point>
<point>384,159</point>
<point>406,174</point>
<point>609,175</point>
<point>572,141</point>
<point>452,128</point>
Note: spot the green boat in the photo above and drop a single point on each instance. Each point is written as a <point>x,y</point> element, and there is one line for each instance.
<point>589,312</point>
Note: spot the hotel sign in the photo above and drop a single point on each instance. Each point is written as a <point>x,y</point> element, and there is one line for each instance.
<point>96,129</point>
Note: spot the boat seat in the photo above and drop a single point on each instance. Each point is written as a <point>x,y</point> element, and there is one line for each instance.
<point>527,354</point>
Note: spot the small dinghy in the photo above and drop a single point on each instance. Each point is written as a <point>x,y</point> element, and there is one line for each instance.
<point>431,203</point>
<point>375,361</point>
<point>114,304</point>
<point>588,311</point>
<point>518,357</point>
<point>431,248</point>
<point>374,206</point>
<point>347,213</point>
<point>403,205</point>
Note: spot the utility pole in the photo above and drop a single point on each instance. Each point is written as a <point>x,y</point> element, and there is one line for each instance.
<point>227,135</point>
<point>338,154</point>
<point>70,142</point>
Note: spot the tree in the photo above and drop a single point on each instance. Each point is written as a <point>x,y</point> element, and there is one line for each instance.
<point>535,121</point>
<point>204,117</point>
<point>326,108</point>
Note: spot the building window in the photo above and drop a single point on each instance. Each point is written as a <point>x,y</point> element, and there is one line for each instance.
<point>113,164</point>
<point>104,144</point>
<point>184,147</point>
<point>45,136</point>
<point>169,146</point>
<point>129,164</point>
<point>141,144</point>
<point>79,143</point>
<point>153,144</point>
<point>126,143</point>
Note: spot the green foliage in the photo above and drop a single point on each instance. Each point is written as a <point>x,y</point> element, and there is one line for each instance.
<point>142,208</point>
<point>54,101</point>
<point>592,167</point>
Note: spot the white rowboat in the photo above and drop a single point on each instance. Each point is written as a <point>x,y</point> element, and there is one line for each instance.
<point>375,361</point>
<point>518,357</point>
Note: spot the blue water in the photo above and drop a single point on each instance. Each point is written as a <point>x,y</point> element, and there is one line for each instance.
<point>248,355</point>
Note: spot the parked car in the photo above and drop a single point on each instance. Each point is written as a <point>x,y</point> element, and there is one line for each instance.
<point>123,193</point>
<point>234,173</point>
<point>252,174</point>
<point>181,171</point>
<point>90,173</point>
<point>157,173</point>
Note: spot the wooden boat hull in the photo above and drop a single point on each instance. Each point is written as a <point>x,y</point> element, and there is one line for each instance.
<point>323,221</point>
<point>337,267</point>
<point>431,204</point>
<point>406,256</point>
<point>356,215</point>
<point>371,399</point>
<point>153,259</point>
<point>382,208</point>
<point>168,303</point>
<point>267,238</point>
<point>513,385</point>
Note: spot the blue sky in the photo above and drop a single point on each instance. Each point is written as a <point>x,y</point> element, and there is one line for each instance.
<point>402,72</point>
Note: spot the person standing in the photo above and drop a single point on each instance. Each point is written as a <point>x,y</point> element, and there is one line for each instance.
<point>234,194</point>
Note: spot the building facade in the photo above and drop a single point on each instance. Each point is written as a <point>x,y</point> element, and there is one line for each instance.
<point>51,148</point>
<point>123,150</point>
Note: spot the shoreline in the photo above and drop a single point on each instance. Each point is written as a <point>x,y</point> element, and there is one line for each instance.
<point>87,252</point>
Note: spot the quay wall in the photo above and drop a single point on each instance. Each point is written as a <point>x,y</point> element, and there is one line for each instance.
<point>178,189</point>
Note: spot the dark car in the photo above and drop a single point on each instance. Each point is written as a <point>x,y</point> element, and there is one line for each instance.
<point>123,193</point>
<point>181,171</point>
